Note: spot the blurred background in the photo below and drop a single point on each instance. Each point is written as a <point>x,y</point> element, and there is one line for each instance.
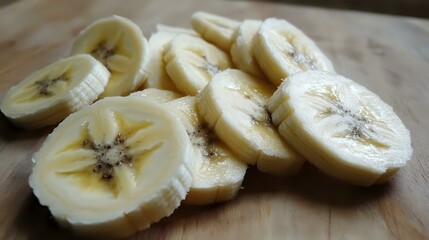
<point>414,8</point>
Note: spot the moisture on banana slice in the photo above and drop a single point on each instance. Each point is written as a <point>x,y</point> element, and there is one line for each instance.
<point>281,49</point>
<point>341,127</point>
<point>234,104</point>
<point>157,95</point>
<point>49,95</point>
<point>114,167</point>
<point>242,47</point>
<point>215,29</point>
<point>219,173</point>
<point>119,44</point>
<point>191,63</point>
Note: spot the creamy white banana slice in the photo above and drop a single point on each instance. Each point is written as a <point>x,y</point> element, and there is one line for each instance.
<point>157,95</point>
<point>177,30</point>
<point>281,49</point>
<point>49,95</point>
<point>242,47</point>
<point>191,63</point>
<point>341,127</point>
<point>157,76</point>
<point>114,167</point>
<point>219,173</point>
<point>119,44</point>
<point>215,29</point>
<point>234,104</point>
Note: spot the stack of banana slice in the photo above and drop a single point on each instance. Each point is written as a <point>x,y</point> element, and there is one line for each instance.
<point>203,104</point>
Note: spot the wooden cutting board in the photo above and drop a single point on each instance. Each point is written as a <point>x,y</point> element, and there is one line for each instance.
<point>389,55</point>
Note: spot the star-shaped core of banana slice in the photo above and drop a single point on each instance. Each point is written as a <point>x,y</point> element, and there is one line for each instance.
<point>110,163</point>
<point>119,44</point>
<point>48,86</point>
<point>360,123</point>
<point>210,67</point>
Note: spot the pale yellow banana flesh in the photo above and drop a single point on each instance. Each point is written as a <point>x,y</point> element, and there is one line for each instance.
<point>176,30</point>
<point>157,76</point>
<point>341,127</point>
<point>219,173</point>
<point>120,45</point>
<point>114,167</point>
<point>234,104</point>
<point>215,29</point>
<point>157,95</point>
<point>191,63</point>
<point>281,49</point>
<point>49,95</point>
<point>125,162</point>
<point>242,47</point>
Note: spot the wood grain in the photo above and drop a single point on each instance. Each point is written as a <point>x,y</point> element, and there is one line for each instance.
<point>389,55</point>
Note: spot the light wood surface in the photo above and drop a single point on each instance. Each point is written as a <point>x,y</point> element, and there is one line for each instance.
<point>389,55</point>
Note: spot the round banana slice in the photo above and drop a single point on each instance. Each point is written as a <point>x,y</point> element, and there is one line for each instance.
<point>157,76</point>
<point>219,173</point>
<point>281,49</point>
<point>234,104</point>
<point>177,30</point>
<point>215,29</point>
<point>114,167</point>
<point>49,95</point>
<point>242,47</point>
<point>157,95</point>
<point>341,127</point>
<point>119,44</point>
<point>191,63</point>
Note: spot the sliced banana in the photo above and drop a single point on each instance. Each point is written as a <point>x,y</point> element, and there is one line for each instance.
<point>191,63</point>
<point>234,104</point>
<point>157,76</point>
<point>157,95</point>
<point>49,95</point>
<point>119,44</point>
<point>177,30</point>
<point>341,127</point>
<point>215,29</point>
<point>114,167</point>
<point>242,47</point>
<point>219,173</point>
<point>281,49</point>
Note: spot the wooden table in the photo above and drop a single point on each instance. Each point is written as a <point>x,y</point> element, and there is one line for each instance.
<point>389,55</point>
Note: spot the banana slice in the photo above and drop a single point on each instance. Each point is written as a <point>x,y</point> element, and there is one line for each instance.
<point>157,95</point>
<point>281,49</point>
<point>341,127</point>
<point>191,63</point>
<point>219,173</point>
<point>177,30</point>
<point>157,76</point>
<point>234,104</point>
<point>242,47</point>
<point>114,167</point>
<point>215,29</point>
<point>49,95</point>
<point>119,44</point>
